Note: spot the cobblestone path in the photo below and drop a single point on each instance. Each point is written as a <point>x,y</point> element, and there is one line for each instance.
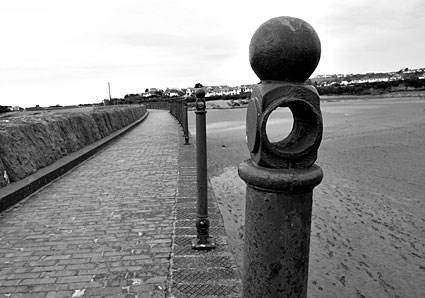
<point>104,229</point>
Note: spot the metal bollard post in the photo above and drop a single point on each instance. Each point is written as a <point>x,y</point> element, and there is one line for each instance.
<point>280,176</point>
<point>203,241</point>
<point>179,112</point>
<point>185,123</point>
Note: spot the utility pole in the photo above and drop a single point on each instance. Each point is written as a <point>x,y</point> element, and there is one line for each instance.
<point>109,89</point>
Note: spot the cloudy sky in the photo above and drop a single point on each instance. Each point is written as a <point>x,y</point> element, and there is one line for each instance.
<point>65,52</point>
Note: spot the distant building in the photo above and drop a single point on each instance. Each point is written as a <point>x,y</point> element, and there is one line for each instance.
<point>173,92</point>
<point>190,91</point>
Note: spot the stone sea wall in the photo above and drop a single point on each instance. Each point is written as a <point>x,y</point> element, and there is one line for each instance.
<point>29,142</point>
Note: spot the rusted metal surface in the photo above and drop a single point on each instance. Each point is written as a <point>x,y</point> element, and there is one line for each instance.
<point>299,149</point>
<point>284,49</point>
<point>280,176</point>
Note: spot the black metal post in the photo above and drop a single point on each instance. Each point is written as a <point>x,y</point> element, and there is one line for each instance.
<point>181,112</point>
<point>185,123</point>
<point>203,241</point>
<point>177,111</point>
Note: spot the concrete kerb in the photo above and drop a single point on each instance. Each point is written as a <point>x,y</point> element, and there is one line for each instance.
<point>17,191</point>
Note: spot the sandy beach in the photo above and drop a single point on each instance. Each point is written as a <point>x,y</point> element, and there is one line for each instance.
<point>368,225</point>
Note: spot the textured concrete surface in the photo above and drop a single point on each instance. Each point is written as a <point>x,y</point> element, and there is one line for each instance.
<point>15,192</point>
<point>30,141</point>
<point>112,227</point>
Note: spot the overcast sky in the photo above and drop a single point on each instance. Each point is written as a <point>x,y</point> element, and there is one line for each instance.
<point>65,52</point>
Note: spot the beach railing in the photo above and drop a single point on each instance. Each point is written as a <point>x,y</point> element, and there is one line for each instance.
<point>178,108</point>
<point>280,176</point>
<point>157,105</point>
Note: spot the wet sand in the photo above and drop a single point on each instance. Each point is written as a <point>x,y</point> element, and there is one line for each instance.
<point>368,225</point>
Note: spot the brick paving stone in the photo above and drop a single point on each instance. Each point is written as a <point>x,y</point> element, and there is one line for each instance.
<point>102,230</point>
<point>118,225</point>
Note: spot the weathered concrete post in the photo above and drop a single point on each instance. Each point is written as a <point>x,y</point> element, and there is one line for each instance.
<point>280,176</point>
<point>203,241</point>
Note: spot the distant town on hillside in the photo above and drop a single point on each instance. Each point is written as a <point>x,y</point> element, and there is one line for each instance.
<point>336,84</point>
<point>370,83</point>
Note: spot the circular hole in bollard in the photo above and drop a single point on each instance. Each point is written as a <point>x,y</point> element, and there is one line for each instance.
<point>306,131</point>
<point>279,124</point>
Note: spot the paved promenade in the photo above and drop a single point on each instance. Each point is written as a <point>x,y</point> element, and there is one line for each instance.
<point>118,225</point>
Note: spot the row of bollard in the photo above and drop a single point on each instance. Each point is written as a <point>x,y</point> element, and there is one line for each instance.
<point>178,109</point>
<point>157,105</point>
<point>280,176</point>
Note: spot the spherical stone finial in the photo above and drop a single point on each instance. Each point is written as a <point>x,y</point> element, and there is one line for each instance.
<point>284,49</point>
<point>200,93</point>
